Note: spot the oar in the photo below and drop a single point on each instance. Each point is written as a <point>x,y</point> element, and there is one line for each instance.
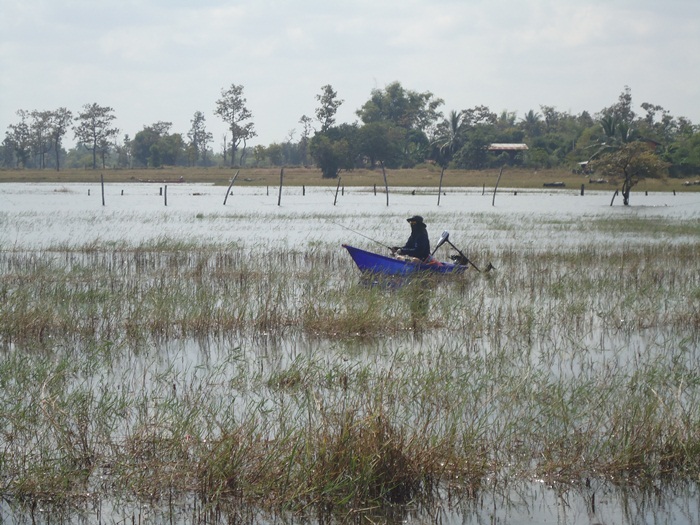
<point>463,256</point>
<point>443,239</point>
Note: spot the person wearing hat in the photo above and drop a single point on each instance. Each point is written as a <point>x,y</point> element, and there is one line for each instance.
<point>418,244</point>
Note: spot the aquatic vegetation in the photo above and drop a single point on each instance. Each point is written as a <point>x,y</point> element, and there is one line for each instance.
<point>246,375</point>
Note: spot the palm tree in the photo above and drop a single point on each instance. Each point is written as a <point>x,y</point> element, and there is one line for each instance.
<point>617,133</point>
<point>532,124</point>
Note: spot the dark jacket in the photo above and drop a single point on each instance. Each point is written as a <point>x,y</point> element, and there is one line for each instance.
<point>418,244</point>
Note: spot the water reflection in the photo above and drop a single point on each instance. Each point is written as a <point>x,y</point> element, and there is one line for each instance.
<point>523,503</point>
<point>415,291</point>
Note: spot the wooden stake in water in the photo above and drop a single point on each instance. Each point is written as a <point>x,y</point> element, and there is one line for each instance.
<point>230,185</point>
<point>442,172</point>
<point>279,197</point>
<point>102,183</point>
<point>386,184</point>
<point>165,194</point>
<point>493,201</point>
<point>336,192</point>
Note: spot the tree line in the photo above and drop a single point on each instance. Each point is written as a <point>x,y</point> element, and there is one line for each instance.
<point>396,128</point>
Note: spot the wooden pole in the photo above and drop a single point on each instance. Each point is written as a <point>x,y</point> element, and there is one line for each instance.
<point>493,201</point>
<point>165,195</point>
<point>386,184</point>
<point>442,172</point>
<point>230,185</point>
<point>613,198</point>
<point>582,189</point>
<point>102,183</point>
<point>336,191</point>
<point>279,197</point>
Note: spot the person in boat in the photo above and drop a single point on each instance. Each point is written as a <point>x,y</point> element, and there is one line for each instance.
<point>418,244</point>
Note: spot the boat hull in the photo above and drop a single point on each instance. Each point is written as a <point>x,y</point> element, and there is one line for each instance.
<point>369,262</point>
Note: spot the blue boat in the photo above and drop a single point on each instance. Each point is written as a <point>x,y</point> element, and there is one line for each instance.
<point>369,262</point>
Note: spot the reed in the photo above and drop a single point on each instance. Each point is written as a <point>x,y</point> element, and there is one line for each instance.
<point>314,392</point>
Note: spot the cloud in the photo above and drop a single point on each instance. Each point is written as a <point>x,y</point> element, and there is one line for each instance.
<point>165,59</point>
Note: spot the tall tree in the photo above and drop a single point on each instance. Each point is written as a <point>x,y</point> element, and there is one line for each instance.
<point>416,113</point>
<point>94,129</point>
<point>335,149</point>
<point>404,108</point>
<point>199,137</point>
<point>532,124</point>
<point>59,121</point>
<point>448,139</point>
<point>325,113</point>
<point>231,107</point>
<point>124,152</point>
<point>382,142</point>
<point>41,140</point>
<point>306,123</point>
<point>154,146</point>
<point>18,137</point>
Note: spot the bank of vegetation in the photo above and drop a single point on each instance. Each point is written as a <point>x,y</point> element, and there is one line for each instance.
<point>397,128</point>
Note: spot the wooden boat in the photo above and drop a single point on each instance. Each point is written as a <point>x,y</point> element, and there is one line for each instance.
<point>369,262</point>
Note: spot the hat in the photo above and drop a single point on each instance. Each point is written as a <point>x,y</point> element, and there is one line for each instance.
<point>415,218</point>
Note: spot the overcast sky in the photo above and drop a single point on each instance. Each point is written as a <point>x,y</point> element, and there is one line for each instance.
<point>163,60</point>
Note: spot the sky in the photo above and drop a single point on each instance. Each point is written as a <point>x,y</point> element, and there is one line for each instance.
<point>164,60</point>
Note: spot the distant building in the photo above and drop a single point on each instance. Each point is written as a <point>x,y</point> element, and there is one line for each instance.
<point>505,146</point>
<point>512,149</point>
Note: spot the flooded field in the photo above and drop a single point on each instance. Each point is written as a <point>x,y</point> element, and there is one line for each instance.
<point>168,358</point>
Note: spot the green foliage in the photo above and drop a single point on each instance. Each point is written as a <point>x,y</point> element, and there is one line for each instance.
<point>95,131</point>
<point>231,108</point>
<point>401,127</point>
<point>684,156</point>
<point>335,149</point>
<point>403,108</point>
<point>325,113</point>
<point>154,147</point>
<point>632,162</point>
<point>382,142</point>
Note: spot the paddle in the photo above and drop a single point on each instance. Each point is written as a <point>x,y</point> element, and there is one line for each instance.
<point>464,257</point>
<point>443,239</point>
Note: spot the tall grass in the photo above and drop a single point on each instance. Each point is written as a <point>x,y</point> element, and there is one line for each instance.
<point>311,390</point>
